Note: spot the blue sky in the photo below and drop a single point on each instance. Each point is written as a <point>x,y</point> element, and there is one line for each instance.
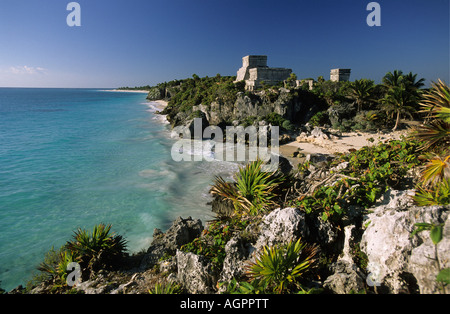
<point>140,42</point>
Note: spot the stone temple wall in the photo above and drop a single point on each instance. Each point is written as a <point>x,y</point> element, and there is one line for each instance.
<point>269,74</point>
<point>254,70</point>
<point>340,75</point>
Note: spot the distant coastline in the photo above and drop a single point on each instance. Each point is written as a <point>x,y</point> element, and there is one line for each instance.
<point>125,91</point>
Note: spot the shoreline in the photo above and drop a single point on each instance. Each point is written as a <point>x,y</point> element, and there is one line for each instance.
<point>346,142</point>
<point>155,106</point>
<point>124,91</point>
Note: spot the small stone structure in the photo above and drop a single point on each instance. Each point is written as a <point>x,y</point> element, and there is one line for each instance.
<point>309,82</point>
<point>254,70</point>
<point>340,75</point>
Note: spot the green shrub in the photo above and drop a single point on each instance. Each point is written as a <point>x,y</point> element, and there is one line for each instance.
<point>288,126</point>
<point>319,119</point>
<point>55,264</point>
<point>370,172</point>
<point>280,267</point>
<point>274,119</point>
<point>212,243</point>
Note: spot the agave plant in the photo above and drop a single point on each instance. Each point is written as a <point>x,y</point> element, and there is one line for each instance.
<point>253,190</point>
<point>55,264</point>
<point>439,194</point>
<point>436,134</point>
<point>97,247</point>
<point>281,266</point>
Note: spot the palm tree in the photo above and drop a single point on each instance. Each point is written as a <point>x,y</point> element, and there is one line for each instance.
<point>410,81</point>
<point>393,79</point>
<point>398,100</point>
<point>361,91</point>
<point>403,93</point>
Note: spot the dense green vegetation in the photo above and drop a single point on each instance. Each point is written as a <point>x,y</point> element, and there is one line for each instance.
<point>196,91</point>
<point>370,172</point>
<point>146,87</point>
<point>369,106</point>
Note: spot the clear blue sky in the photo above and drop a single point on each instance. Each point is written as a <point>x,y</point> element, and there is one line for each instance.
<point>140,42</point>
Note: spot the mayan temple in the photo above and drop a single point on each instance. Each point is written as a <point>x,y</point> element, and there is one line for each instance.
<point>254,70</point>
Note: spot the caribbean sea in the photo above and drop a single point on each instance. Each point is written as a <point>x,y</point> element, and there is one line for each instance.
<point>74,158</point>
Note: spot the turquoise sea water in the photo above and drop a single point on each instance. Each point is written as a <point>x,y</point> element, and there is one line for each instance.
<point>74,158</point>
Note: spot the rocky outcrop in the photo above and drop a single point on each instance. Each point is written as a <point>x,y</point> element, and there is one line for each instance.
<point>181,232</point>
<point>282,226</point>
<point>196,273</point>
<point>297,106</point>
<point>399,262</point>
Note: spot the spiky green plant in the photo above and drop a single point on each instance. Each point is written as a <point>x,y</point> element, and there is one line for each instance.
<point>436,170</point>
<point>100,246</point>
<point>438,194</point>
<point>435,135</point>
<point>166,288</point>
<point>436,132</point>
<point>55,264</point>
<point>253,190</point>
<point>437,102</point>
<point>280,266</point>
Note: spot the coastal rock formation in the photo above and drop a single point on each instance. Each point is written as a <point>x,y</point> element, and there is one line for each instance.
<point>397,261</point>
<point>297,106</point>
<point>195,273</point>
<point>181,232</point>
<point>282,226</point>
<point>347,278</point>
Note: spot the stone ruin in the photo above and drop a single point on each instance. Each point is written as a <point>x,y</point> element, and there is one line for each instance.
<point>340,75</point>
<point>254,70</point>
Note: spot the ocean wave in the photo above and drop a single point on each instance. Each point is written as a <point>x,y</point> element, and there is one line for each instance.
<point>151,173</point>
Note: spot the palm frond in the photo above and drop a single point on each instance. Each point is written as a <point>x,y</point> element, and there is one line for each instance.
<point>436,170</point>
<point>435,134</point>
<point>439,194</point>
<point>437,102</point>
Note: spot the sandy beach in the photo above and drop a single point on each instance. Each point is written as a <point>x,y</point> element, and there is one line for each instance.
<point>348,141</point>
<point>161,104</point>
<point>158,105</point>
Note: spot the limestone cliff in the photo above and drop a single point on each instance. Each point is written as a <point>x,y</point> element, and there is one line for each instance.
<point>295,105</point>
